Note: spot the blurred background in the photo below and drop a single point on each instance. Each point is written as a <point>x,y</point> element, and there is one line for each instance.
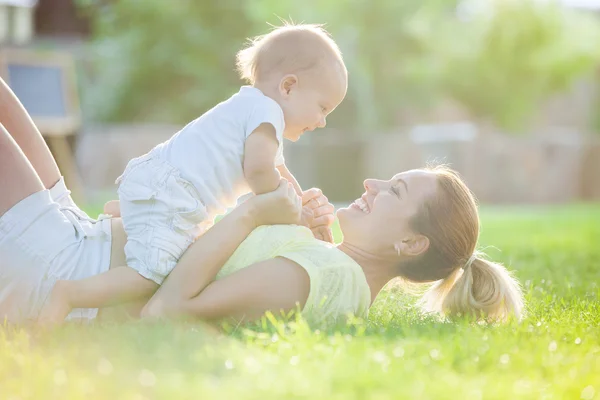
<point>503,91</point>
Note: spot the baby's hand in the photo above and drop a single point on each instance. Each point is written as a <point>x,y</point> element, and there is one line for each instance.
<point>317,214</point>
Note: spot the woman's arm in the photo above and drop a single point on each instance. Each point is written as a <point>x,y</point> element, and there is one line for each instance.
<point>204,258</point>
<point>314,204</point>
<point>272,285</point>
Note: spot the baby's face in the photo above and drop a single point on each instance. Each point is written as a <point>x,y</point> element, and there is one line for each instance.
<point>310,101</point>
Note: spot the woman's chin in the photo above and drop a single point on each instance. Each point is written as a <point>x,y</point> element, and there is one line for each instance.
<point>352,209</point>
<point>341,213</point>
<point>348,216</point>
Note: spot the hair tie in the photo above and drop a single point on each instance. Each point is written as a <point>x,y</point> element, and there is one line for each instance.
<point>470,261</point>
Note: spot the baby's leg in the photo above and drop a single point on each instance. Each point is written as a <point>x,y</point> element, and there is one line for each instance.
<point>118,285</point>
<point>18,123</point>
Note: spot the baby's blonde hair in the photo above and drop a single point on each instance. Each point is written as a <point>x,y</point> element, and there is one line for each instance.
<point>288,49</point>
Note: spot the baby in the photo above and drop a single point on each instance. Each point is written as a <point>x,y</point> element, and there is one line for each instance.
<point>171,195</point>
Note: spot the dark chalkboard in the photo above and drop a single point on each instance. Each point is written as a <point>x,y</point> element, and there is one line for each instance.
<point>40,89</point>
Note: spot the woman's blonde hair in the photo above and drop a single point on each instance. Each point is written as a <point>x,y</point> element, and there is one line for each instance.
<point>465,283</point>
<point>288,49</point>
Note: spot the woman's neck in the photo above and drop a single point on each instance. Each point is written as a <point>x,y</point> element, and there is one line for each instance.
<point>378,270</point>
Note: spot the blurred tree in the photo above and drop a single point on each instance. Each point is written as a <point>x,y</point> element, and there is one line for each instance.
<point>171,61</point>
<point>164,61</point>
<point>511,55</point>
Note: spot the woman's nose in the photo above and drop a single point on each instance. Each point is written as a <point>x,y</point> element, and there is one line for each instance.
<point>372,185</point>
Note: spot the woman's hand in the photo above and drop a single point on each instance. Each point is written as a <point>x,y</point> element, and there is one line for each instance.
<point>317,214</point>
<point>281,206</point>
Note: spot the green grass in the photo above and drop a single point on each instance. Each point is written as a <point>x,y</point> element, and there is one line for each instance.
<point>554,353</point>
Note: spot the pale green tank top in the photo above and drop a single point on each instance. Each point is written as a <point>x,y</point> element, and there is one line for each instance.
<point>338,286</point>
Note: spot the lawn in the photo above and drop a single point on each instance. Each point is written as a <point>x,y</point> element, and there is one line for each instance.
<point>554,353</point>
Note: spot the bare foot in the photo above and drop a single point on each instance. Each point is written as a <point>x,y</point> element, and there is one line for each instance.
<point>57,307</point>
<point>113,208</point>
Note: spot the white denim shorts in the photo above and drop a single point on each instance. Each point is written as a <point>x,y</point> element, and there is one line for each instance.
<point>162,215</point>
<point>44,238</point>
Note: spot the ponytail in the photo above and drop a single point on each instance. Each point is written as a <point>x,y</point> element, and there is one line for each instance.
<point>482,289</point>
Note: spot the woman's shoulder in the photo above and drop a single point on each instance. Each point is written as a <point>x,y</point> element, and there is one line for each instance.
<point>298,244</point>
<point>338,285</point>
<point>274,238</point>
<point>282,231</point>
<point>266,242</point>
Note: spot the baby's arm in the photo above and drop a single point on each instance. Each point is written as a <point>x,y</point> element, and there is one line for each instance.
<point>115,286</point>
<point>308,215</point>
<point>259,160</point>
<point>287,175</point>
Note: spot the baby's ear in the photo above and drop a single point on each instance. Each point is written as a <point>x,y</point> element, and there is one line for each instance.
<point>287,84</point>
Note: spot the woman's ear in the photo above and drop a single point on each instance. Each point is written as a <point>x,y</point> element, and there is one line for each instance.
<point>413,245</point>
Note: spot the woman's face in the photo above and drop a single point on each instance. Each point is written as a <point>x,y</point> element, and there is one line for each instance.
<point>378,222</point>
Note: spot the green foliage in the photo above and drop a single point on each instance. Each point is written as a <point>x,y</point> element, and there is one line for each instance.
<point>397,353</point>
<point>508,58</point>
<point>171,61</point>
<point>165,61</point>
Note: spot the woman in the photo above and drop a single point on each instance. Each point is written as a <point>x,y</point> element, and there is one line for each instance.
<point>421,226</point>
